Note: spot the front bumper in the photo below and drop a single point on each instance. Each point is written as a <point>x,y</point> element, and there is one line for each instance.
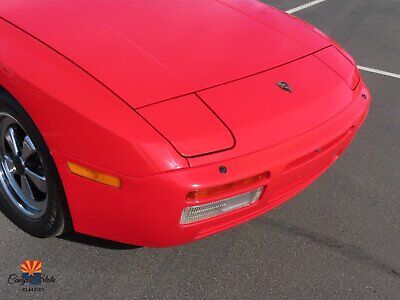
<point>147,211</point>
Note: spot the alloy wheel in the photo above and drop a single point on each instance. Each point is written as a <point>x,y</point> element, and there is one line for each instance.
<point>21,169</point>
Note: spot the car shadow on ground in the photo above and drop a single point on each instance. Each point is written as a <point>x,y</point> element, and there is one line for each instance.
<point>96,242</point>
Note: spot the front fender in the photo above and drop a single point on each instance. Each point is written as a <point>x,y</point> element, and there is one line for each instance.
<point>76,114</point>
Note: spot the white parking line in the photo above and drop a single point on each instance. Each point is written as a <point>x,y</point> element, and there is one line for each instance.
<point>371,70</point>
<point>380,72</point>
<point>304,6</point>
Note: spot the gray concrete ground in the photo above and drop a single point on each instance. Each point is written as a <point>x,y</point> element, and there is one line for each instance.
<point>339,239</point>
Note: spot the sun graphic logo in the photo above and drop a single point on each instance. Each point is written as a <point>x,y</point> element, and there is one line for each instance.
<point>32,271</point>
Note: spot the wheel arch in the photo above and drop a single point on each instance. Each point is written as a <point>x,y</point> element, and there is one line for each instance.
<point>17,106</point>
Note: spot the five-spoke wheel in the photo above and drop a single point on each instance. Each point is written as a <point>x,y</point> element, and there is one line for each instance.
<point>21,172</point>
<point>31,191</point>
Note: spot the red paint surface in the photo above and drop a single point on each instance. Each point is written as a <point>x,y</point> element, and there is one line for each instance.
<point>162,95</point>
<point>146,51</point>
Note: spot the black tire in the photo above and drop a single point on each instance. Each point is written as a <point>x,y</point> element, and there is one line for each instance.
<point>55,220</point>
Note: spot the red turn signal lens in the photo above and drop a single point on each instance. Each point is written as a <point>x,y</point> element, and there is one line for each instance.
<point>216,191</point>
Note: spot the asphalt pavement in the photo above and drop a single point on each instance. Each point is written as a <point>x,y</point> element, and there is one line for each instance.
<point>340,238</point>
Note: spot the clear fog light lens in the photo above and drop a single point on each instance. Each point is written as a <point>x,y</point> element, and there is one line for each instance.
<point>201,212</point>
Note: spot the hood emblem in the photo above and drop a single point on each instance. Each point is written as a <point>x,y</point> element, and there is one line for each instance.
<point>284,86</point>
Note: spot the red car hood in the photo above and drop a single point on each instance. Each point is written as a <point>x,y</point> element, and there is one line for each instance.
<point>147,51</point>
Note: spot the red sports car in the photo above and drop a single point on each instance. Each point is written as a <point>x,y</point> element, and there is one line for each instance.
<point>159,123</point>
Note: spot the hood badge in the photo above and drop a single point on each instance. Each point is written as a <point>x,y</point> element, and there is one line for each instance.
<point>284,86</point>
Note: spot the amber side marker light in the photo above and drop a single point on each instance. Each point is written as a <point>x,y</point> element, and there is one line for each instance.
<point>208,210</point>
<point>94,175</point>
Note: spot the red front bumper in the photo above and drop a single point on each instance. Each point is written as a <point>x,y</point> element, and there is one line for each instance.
<point>147,211</point>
